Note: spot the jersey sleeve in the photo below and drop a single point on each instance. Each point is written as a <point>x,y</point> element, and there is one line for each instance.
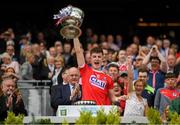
<point>83,69</point>
<point>110,83</point>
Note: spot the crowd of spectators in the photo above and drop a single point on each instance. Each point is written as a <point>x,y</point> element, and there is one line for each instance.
<point>135,76</point>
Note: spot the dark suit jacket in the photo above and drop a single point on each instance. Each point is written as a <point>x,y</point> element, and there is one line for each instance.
<point>44,72</point>
<point>60,95</point>
<point>60,80</point>
<point>17,108</point>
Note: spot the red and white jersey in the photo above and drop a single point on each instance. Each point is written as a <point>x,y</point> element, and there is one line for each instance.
<point>95,85</point>
<point>123,67</point>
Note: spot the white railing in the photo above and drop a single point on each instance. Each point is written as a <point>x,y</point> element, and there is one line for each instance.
<point>36,96</point>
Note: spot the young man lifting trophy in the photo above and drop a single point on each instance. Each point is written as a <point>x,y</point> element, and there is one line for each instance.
<point>97,87</point>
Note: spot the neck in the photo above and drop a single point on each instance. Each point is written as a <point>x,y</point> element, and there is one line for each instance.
<point>121,61</point>
<point>154,70</point>
<point>138,95</point>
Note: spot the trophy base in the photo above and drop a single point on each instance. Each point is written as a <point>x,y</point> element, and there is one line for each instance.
<point>70,32</point>
<point>82,102</point>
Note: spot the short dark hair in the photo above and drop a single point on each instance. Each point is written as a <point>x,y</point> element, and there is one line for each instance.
<point>142,69</point>
<point>155,58</point>
<point>170,75</point>
<point>113,65</point>
<point>96,50</point>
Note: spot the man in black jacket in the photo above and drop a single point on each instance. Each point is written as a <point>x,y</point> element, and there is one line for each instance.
<point>10,100</point>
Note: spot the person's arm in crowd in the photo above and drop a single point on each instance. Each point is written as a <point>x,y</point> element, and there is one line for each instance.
<point>79,52</point>
<point>113,98</point>
<point>141,53</point>
<point>16,67</point>
<point>145,109</point>
<point>130,74</point>
<point>163,60</point>
<point>178,61</point>
<point>147,58</point>
<point>157,100</point>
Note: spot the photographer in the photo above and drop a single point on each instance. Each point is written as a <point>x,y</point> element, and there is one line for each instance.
<point>154,52</point>
<point>157,68</point>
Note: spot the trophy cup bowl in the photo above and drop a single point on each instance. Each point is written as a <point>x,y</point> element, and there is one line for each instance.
<point>71,19</point>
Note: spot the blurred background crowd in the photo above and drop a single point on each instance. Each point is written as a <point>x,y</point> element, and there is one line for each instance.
<point>31,51</point>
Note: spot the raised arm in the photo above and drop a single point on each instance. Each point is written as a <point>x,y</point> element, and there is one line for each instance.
<point>163,61</point>
<point>130,74</point>
<point>79,52</point>
<point>147,58</point>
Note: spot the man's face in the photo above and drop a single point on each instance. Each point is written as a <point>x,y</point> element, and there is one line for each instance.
<point>134,48</point>
<point>155,64</point>
<point>73,75</point>
<point>67,48</point>
<point>138,62</point>
<point>171,60</point>
<point>171,82</point>
<point>52,52</point>
<point>143,76</point>
<point>8,87</point>
<point>122,56</point>
<point>96,60</point>
<point>150,40</point>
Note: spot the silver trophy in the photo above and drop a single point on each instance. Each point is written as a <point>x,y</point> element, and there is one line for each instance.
<point>70,19</point>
